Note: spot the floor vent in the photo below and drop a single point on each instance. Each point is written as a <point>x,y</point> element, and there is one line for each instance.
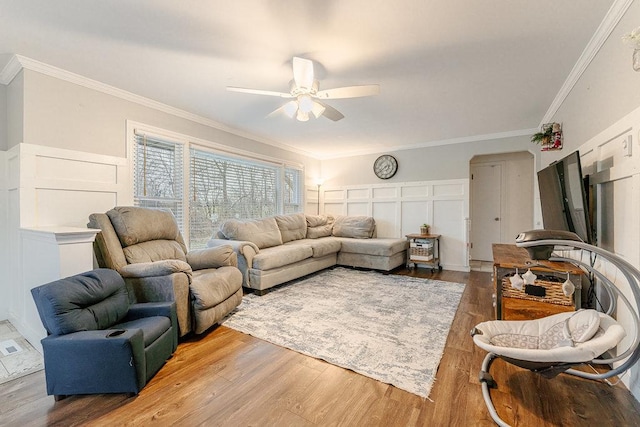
<point>9,347</point>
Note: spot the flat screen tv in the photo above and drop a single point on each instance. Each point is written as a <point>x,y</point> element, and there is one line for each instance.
<point>563,197</point>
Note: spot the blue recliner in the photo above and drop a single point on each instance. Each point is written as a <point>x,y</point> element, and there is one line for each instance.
<point>97,342</point>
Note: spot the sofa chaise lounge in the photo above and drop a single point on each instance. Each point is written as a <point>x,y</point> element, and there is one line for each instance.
<point>278,249</point>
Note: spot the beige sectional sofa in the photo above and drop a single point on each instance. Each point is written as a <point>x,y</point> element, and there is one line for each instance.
<point>277,249</point>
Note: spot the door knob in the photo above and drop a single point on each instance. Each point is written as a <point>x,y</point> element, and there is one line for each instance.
<point>496,219</point>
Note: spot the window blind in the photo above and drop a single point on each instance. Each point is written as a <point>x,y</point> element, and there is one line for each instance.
<point>223,188</point>
<point>158,175</point>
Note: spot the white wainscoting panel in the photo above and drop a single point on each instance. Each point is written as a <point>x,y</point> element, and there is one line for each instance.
<point>614,172</point>
<point>49,253</point>
<point>388,223</point>
<point>401,208</point>
<point>358,208</point>
<point>62,187</point>
<point>4,233</point>
<point>51,187</point>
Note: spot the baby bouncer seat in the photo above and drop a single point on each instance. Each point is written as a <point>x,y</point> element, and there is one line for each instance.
<point>559,343</point>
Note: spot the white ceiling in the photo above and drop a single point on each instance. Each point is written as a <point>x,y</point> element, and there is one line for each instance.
<point>448,70</point>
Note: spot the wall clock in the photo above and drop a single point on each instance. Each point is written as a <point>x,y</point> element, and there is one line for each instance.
<point>385,166</point>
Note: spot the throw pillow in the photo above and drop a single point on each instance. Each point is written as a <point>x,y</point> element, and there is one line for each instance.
<point>292,227</point>
<point>358,227</point>
<point>319,226</point>
<point>264,233</point>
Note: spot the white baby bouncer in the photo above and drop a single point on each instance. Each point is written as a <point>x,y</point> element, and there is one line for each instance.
<point>558,343</point>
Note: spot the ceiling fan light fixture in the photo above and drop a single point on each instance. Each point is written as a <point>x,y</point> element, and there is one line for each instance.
<point>305,103</point>
<point>290,108</point>
<point>302,116</point>
<point>317,109</point>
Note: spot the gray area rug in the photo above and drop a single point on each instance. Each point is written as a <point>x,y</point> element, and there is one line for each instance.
<point>387,327</point>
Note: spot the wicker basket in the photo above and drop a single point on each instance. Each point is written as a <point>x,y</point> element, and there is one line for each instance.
<point>552,285</point>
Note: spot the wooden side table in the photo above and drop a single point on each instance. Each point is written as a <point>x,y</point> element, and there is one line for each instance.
<point>424,249</point>
<point>514,304</point>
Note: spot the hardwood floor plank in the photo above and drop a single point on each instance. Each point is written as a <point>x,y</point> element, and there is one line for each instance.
<point>228,378</point>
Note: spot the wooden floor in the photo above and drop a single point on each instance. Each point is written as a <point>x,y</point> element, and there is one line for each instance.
<point>227,378</point>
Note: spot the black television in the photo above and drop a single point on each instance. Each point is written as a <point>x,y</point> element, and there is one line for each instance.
<point>563,197</point>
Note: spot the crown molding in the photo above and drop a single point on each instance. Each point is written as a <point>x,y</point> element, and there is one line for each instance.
<point>461,140</point>
<point>11,70</point>
<point>606,27</point>
<point>19,62</point>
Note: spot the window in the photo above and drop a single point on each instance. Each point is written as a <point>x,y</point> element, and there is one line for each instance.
<point>158,175</point>
<point>223,187</point>
<point>220,186</point>
<point>291,192</point>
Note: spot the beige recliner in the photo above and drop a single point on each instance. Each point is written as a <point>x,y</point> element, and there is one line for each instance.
<point>145,246</point>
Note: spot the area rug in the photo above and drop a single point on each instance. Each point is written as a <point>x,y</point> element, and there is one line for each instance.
<point>388,327</point>
<point>17,356</point>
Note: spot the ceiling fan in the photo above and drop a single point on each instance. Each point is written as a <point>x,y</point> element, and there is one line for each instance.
<point>304,90</point>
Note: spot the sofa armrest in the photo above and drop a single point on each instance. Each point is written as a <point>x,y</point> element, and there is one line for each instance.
<point>154,269</point>
<point>245,252</point>
<point>84,357</point>
<point>148,309</point>
<point>212,257</point>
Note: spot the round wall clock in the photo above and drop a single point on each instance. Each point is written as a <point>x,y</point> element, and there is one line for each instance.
<point>385,166</point>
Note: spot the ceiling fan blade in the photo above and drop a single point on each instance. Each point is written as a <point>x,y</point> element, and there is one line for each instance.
<point>289,109</point>
<point>331,113</point>
<point>259,92</point>
<point>349,92</point>
<point>303,72</point>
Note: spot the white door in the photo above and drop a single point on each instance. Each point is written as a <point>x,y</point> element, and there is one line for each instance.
<point>486,194</point>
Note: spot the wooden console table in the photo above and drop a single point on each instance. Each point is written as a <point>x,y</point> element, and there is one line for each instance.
<point>513,304</point>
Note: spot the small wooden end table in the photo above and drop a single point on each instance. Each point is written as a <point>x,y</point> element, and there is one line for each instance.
<point>424,249</point>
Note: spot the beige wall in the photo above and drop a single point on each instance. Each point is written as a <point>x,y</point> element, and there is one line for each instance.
<point>3,118</point>
<point>420,164</point>
<point>608,90</point>
<point>65,115</point>
<point>15,109</point>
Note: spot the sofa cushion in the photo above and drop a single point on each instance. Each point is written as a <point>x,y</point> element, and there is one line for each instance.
<point>136,225</point>
<point>152,327</point>
<point>319,226</point>
<point>292,227</point>
<point>358,227</point>
<point>263,232</point>
<point>378,246</point>
<point>154,250</point>
<point>320,247</point>
<point>279,256</point>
